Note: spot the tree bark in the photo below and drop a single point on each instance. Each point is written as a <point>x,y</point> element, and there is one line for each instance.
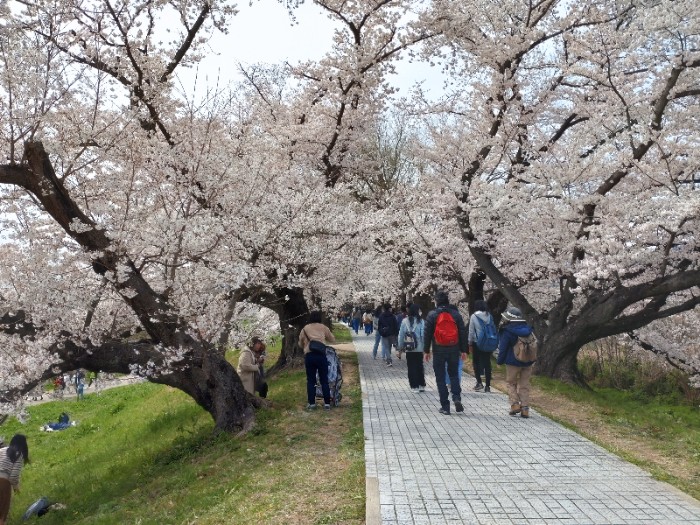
<point>558,359</point>
<point>294,314</point>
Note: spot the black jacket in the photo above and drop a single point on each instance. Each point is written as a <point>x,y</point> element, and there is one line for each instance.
<point>462,346</point>
<point>387,319</point>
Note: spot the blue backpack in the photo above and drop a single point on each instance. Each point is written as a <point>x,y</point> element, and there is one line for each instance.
<point>487,340</point>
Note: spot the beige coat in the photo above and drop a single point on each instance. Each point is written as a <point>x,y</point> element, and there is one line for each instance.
<point>247,368</point>
<point>317,332</point>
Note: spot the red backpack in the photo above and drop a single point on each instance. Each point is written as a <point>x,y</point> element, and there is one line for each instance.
<point>446,333</point>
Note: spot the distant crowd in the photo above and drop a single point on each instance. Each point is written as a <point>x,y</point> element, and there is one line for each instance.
<point>444,338</point>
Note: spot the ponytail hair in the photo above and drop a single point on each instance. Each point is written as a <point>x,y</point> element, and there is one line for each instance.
<point>18,448</point>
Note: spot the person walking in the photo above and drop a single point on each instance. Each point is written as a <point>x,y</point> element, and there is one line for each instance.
<point>375,329</point>
<point>447,335</point>
<point>356,319</point>
<point>518,372</point>
<point>367,322</point>
<point>12,459</point>
<point>481,324</point>
<point>400,316</point>
<point>388,329</point>
<point>411,335</point>
<point>313,339</point>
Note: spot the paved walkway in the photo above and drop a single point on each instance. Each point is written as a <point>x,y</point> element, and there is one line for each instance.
<point>484,467</point>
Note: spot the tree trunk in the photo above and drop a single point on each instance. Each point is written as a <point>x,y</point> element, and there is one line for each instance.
<point>293,314</point>
<point>558,358</point>
<point>215,386</point>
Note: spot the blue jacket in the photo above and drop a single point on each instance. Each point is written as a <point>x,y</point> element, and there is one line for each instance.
<point>507,337</point>
<point>418,329</point>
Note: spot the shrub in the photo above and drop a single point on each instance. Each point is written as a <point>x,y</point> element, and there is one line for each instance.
<point>610,364</point>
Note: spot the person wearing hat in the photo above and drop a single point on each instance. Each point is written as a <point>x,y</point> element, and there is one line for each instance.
<point>444,353</point>
<point>248,363</point>
<point>517,372</point>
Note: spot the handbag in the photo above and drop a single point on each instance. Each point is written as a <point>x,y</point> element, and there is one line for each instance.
<point>315,346</point>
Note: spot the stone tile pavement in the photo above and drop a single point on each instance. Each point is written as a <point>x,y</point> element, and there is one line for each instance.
<point>485,467</point>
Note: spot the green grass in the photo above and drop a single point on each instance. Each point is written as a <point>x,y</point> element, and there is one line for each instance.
<point>147,454</point>
<point>342,333</point>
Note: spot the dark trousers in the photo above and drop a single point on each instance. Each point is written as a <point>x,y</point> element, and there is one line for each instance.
<point>316,362</point>
<point>482,363</point>
<point>475,366</point>
<point>450,357</point>
<point>416,373</point>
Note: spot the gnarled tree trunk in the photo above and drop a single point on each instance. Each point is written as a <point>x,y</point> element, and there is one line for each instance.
<point>558,359</point>
<point>294,314</point>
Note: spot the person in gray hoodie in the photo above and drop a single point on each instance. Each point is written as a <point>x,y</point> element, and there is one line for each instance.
<point>481,358</point>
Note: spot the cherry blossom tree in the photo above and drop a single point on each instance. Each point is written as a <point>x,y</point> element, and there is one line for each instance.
<point>569,146</point>
<point>137,219</point>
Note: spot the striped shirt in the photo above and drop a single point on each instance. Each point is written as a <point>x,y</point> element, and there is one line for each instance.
<point>9,470</point>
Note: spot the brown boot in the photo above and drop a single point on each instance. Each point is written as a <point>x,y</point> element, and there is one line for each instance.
<point>514,409</point>
<point>525,412</point>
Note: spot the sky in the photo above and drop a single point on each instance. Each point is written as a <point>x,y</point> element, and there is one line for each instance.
<point>264,32</point>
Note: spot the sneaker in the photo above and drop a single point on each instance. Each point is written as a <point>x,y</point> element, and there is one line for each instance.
<point>444,411</point>
<point>421,389</point>
<point>326,406</point>
<point>514,409</point>
<point>398,354</point>
<point>310,406</point>
<point>478,387</point>
<point>487,389</point>
<point>459,407</point>
<point>415,390</point>
<point>525,411</point>
<point>389,364</point>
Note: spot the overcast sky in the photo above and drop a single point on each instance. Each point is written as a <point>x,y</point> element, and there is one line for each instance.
<point>264,32</point>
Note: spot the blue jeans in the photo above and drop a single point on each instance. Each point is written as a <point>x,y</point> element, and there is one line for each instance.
<point>451,360</point>
<point>316,362</point>
<point>355,325</point>
<point>386,348</point>
<point>377,339</point>
<point>459,372</point>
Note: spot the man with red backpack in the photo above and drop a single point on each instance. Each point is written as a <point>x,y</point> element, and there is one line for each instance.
<point>446,333</point>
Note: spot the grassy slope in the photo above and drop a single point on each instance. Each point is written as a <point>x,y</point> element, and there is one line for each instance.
<point>146,454</point>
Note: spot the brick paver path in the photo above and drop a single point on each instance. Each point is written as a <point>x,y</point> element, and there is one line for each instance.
<point>485,467</point>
